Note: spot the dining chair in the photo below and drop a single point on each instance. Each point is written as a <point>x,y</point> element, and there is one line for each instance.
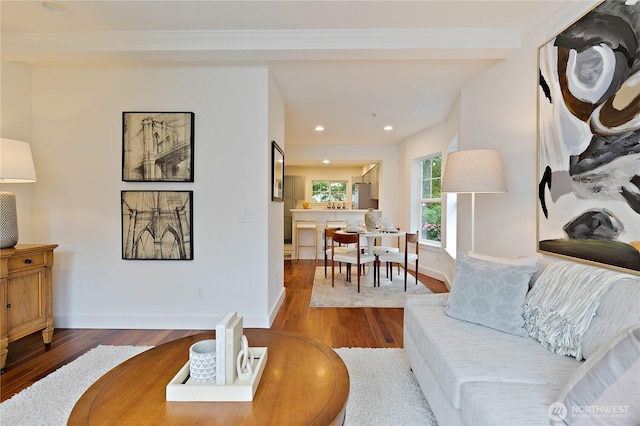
<point>328,243</point>
<point>400,257</point>
<point>355,257</point>
<point>382,249</point>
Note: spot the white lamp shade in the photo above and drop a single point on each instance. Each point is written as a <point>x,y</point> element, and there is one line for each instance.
<point>475,170</point>
<point>16,162</point>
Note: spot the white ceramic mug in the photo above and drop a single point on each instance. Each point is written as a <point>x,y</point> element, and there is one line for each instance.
<point>202,361</point>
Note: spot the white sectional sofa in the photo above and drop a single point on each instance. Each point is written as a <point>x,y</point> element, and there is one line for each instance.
<point>473,374</point>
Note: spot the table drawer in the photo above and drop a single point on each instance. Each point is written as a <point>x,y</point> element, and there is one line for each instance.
<point>26,261</point>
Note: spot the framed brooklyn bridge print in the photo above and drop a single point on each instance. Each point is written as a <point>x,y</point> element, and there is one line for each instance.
<point>157,225</point>
<point>157,146</point>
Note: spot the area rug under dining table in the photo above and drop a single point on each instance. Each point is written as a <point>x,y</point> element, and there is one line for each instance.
<point>344,294</point>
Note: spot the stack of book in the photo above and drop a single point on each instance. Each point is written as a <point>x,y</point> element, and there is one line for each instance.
<point>227,386</point>
<point>228,341</point>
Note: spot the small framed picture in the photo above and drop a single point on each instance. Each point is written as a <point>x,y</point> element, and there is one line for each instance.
<point>157,146</point>
<point>277,172</point>
<point>157,225</point>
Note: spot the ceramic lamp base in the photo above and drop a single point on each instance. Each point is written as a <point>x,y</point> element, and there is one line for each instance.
<point>8,220</point>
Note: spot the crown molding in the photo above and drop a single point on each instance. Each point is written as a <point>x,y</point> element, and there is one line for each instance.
<point>434,43</point>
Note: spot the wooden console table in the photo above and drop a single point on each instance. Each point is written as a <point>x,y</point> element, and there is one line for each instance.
<point>304,383</point>
<point>25,294</point>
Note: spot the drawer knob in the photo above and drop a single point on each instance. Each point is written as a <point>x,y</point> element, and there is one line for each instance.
<point>8,305</point>
<point>27,261</point>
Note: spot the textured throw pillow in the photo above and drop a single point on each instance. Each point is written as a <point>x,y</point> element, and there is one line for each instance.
<point>619,308</point>
<point>531,261</point>
<point>604,389</point>
<point>489,293</point>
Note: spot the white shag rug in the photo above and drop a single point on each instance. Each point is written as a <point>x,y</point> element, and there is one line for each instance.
<point>383,390</point>
<point>390,294</point>
<point>49,401</point>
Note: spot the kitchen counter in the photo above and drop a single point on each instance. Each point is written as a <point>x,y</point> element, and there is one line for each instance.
<point>320,216</point>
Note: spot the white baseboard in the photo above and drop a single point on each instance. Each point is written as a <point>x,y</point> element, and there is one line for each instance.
<point>160,322</point>
<point>438,275</point>
<point>276,306</point>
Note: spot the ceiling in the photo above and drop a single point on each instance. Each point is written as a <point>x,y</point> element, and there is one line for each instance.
<point>350,66</point>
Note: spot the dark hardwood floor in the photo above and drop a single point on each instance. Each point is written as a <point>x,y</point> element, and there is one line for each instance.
<point>29,361</point>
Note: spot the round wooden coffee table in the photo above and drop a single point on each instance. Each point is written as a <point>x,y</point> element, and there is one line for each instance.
<point>304,382</point>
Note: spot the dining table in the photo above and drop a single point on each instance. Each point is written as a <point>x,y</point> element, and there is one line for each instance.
<point>371,241</point>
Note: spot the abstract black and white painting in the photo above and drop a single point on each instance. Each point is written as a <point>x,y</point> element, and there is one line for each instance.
<point>156,225</point>
<point>157,146</point>
<point>589,139</point>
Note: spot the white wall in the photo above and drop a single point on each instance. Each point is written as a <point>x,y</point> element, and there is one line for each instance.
<point>15,123</point>
<point>72,117</point>
<point>77,143</point>
<point>275,243</point>
<point>499,112</point>
<point>434,140</point>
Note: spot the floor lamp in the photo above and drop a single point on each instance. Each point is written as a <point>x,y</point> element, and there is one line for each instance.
<point>474,171</point>
<point>16,166</point>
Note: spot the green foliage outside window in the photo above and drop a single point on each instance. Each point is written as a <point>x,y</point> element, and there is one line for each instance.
<point>431,206</point>
<point>431,221</point>
<point>324,191</point>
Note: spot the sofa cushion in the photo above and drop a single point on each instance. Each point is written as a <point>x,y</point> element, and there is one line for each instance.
<point>490,293</point>
<point>460,352</point>
<point>619,308</point>
<point>607,384</point>
<point>484,403</point>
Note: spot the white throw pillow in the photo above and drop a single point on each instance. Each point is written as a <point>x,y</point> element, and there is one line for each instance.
<point>531,261</point>
<point>490,293</point>
<point>619,308</point>
<point>604,389</point>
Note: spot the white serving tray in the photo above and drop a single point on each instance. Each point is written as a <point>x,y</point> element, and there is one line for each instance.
<point>182,388</point>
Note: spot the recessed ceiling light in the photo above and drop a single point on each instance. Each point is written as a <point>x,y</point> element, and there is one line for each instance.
<point>631,2</point>
<point>326,161</point>
<point>55,7</point>
<point>388,128</point>
<point>319,128</point>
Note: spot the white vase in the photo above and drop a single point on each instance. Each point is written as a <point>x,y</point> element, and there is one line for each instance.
<point>371,219</point>
<point>202,361</point>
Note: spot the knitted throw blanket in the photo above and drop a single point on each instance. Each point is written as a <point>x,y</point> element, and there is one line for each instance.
<point>559,307</point>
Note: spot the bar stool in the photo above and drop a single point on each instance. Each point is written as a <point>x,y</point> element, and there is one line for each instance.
<point>307,225</point>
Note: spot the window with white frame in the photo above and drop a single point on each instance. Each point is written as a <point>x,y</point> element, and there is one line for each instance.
<point>326,191</point>
<point>431,201</point>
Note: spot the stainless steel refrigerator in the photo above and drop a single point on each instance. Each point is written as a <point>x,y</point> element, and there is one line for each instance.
<point>361,197</point>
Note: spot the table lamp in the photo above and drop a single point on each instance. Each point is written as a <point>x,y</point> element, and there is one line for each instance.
<point>474,171</point>
<point>16,166</point>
